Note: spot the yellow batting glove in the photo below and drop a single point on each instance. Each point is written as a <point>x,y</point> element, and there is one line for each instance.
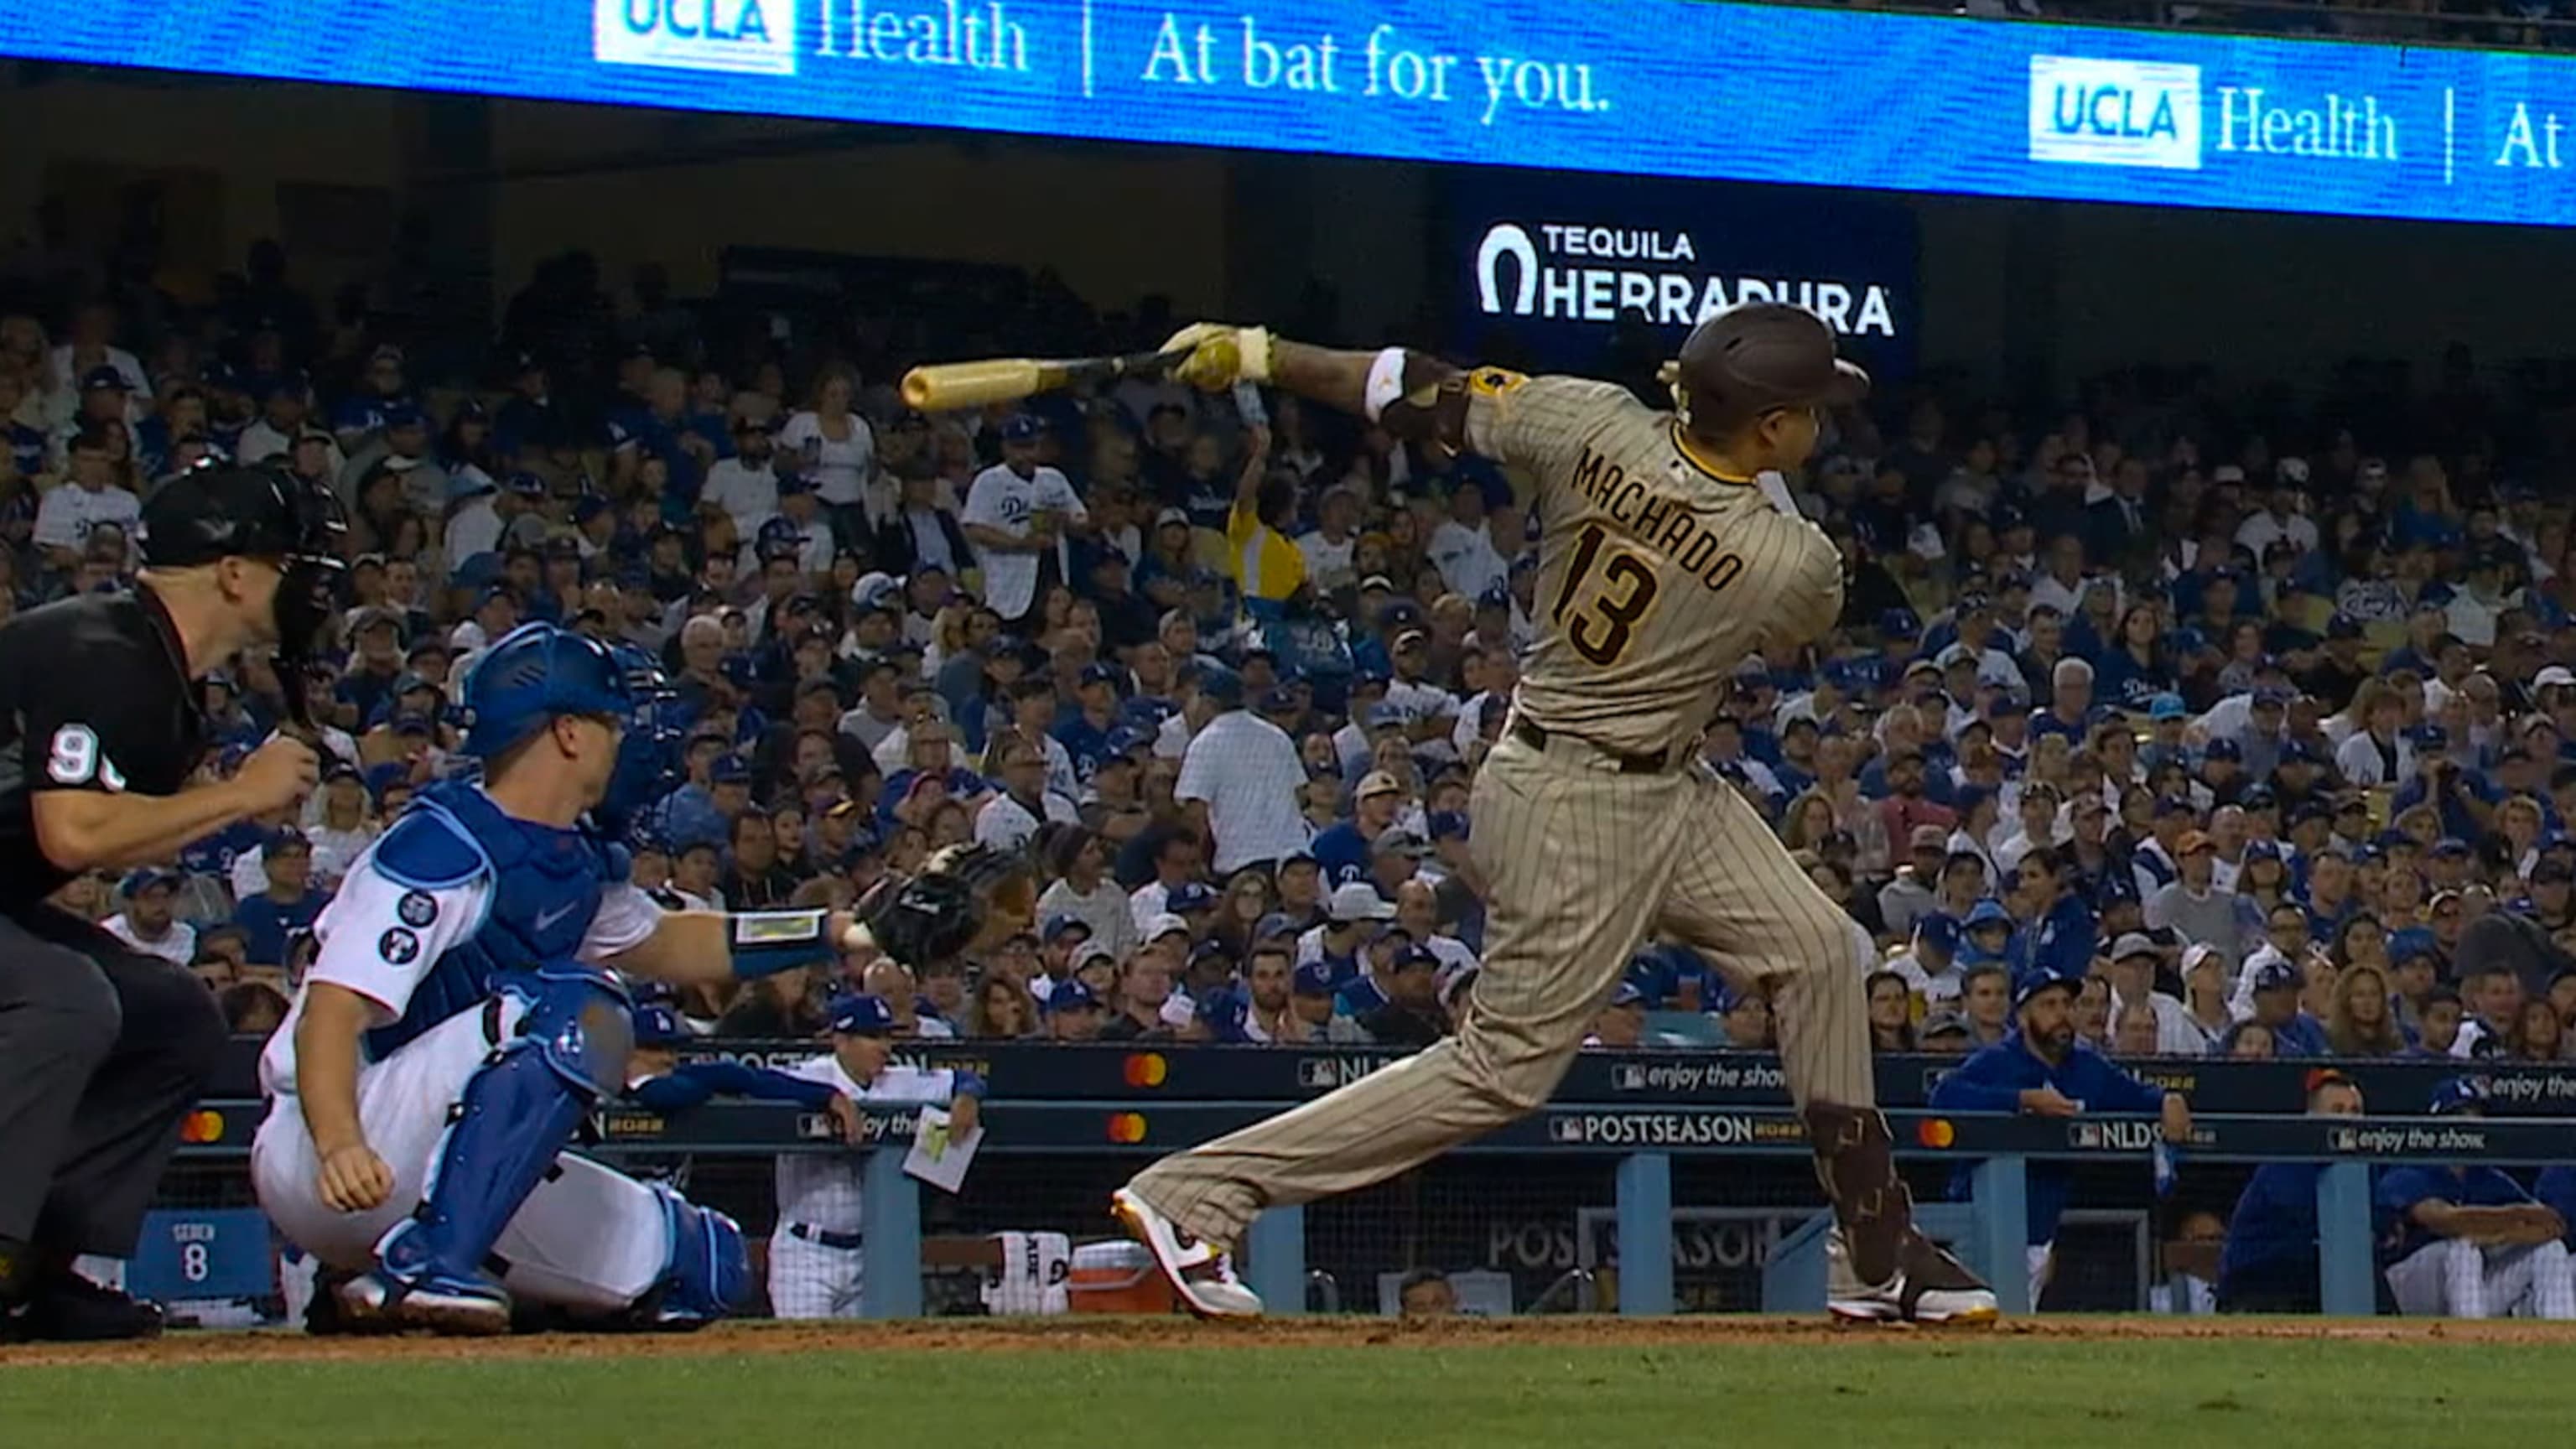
<point>1220,355</point>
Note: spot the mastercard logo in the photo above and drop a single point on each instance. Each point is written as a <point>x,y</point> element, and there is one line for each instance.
<point>1935,1132</point>
<point>1127,1127</point>
<point>1147,1069</point>
<point>202,1127</point>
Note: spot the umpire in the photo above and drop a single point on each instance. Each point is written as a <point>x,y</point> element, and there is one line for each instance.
<point>103,1049</point>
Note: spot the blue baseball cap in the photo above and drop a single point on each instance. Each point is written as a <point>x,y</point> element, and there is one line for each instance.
<point>2430,737</point>
<point>2456,1095</point>
<point>2223,749</point>
<point>1626,993</point>
<point>1988,912</point>
<point>863,1015</point>
<point>1021,427</point>
<point>657,1025</point>
<point>2166,706</point>
<point>1061,922</point>
<point>527,484</point>
<point>729,770</point>
<point>2450,847</point>
<point>1069,995</point>
<point>1315,978</point>
<point>2275,974</point>
<point>1222,686</point>
<point>2405,945</point>
<point>2040,979</point>
<point>150,877</point>
<point>1899,624</point>
<point>1190,896</point>
<point>1448,825</point>
<point>1415,956</point>
<point>1938,930</point>
<point>1100,671</point>
<point>1127,739</point>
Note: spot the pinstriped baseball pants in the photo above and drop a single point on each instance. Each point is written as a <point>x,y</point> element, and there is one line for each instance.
<point>1581,860</point>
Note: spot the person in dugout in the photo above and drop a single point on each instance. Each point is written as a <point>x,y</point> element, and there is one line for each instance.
<point>2041,1068</point>
<point>2270,1262</point>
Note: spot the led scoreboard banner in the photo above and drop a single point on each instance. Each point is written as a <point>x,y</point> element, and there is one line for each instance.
<point>1662,87</point>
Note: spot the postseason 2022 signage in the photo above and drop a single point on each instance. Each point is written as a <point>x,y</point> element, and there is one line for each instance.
<point>1560,264</point>
<point>1656,87</point>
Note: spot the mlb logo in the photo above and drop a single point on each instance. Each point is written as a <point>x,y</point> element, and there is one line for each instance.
<point>1319,1072</point>
<point>1628,1077</point>
<point>814,1127</point>
<point>2085,1134</point>
<point>1565,1129</point>
<point>2344,1139</point>
<point>738,37</point>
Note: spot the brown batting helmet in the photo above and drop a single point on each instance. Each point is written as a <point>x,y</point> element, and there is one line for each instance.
<point>1758,357</point>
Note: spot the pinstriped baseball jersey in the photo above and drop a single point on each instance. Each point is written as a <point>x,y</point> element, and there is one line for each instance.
<point>822,1190</point>
<point>1656,577</point>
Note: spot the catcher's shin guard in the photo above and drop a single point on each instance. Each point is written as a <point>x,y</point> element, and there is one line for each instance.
<point>520,1110</point>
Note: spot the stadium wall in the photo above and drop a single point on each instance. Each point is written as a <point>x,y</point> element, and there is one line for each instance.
<point>2013,292</point>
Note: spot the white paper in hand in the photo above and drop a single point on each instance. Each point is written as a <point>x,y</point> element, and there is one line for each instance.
<point>938,1157</point>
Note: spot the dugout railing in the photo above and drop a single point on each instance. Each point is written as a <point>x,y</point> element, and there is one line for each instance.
<point>1066,1122</point>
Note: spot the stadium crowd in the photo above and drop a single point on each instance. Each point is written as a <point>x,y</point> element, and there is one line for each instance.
<point>2258,721</point>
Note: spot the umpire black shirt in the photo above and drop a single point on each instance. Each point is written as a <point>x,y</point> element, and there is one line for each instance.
<point>94,695</point>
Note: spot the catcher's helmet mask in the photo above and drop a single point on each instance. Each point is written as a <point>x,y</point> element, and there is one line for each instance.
<point>214,511</point>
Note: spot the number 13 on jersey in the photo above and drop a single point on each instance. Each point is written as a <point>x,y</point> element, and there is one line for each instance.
<point>1602,627</point>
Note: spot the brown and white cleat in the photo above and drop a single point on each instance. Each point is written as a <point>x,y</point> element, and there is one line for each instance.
<point>1201,1272</point>
<point>1930,1288</point>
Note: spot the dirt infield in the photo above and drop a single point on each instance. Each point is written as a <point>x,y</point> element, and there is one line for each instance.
<point>1111,1335</point>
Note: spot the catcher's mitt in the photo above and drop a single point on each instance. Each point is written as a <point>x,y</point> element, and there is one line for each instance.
<point>963,893</point>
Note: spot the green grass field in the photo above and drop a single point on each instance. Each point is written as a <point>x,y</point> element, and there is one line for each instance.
<point>1314,1388</point>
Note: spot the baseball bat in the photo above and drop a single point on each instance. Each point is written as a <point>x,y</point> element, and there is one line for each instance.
<point>948,386</point>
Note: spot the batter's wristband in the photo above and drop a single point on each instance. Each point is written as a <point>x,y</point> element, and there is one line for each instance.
<point>1385,383</point>
<point>768,942</point>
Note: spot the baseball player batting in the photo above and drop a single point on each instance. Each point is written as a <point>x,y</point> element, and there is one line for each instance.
<point>1663,564</point>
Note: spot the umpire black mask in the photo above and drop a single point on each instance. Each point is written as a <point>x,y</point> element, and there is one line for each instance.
<point>212,513</point>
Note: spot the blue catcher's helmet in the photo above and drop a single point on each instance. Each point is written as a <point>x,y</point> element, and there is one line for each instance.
<point>536,674</point>
<point>649,757</point>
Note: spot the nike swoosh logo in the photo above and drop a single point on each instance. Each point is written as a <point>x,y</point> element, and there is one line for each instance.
<point>549,918</point>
